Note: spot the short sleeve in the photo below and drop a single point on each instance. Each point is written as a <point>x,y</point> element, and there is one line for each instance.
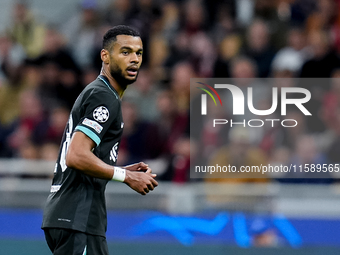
<point>98,112</point>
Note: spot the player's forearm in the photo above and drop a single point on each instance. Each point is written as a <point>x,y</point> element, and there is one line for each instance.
<point>89,164</point>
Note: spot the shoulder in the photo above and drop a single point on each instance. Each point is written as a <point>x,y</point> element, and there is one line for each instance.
<point>98,90</point>
<point>98,102</point>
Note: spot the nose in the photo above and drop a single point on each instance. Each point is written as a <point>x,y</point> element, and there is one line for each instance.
<point>134,58</point>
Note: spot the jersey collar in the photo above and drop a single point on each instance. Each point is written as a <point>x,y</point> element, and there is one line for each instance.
<point>107,83</point>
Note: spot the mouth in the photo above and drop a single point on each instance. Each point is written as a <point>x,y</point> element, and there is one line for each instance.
<point>132,70</point>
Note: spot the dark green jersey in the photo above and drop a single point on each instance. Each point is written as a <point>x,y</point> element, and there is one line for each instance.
<point>76,200</point>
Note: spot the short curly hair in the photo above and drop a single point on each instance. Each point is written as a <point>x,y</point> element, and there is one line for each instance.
<point>111,35</point>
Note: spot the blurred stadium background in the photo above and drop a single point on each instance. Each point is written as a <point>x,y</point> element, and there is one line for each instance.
<point>49,50</point>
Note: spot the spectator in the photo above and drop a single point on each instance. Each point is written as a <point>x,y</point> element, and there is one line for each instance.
<point>31,115</point>
<point>292,57</point>
<point>49,152</point>
<point>322,64</point>
<point>81,32</point>
<point>211,138</point>
<point>180,85</point>
<point>259,47</point>
<point>52,130</point>
<point>26,31</point>
<point>179,162</point>
<point>239,152</point>
<point>118,12</point>
<point>323,60</point>
<point>170,19</point>
<point>225,24</point>
<point>300,11</point>
<point>60,71</point>
<point>12,56</point>
<point>172,123</point>
<point>9,97</point>
<point>323,16</point>
<point>144,94</point>
<point>140,139</point>
<point>191,43</point>
<point>228,49</point>
<point>194,17</point>
<point>243,72</point>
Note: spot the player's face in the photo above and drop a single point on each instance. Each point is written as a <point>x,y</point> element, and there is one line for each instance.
<point>125,59</point>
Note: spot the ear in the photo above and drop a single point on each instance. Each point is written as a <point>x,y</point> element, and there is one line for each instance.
<point>104,54</point>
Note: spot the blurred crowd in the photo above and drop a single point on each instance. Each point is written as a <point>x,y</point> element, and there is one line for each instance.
<point>45,66</point>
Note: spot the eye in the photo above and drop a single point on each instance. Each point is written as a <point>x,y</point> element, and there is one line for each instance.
<point>139,53</point>
<point>125,53</point>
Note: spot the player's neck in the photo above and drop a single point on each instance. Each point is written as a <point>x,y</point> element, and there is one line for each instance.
<point>120,90</point>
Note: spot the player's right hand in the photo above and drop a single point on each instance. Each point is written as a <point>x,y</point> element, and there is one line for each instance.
<point>141,182</point>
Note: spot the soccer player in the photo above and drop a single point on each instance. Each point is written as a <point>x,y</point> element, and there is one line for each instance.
<point>74,219</point>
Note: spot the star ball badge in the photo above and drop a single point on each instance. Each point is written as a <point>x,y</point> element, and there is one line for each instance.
<point>101,114</point>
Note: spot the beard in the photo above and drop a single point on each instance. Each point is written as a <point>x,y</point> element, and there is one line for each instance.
<point>117,73</point>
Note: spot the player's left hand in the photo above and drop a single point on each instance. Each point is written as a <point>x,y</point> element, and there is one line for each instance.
<point>141,166</point>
